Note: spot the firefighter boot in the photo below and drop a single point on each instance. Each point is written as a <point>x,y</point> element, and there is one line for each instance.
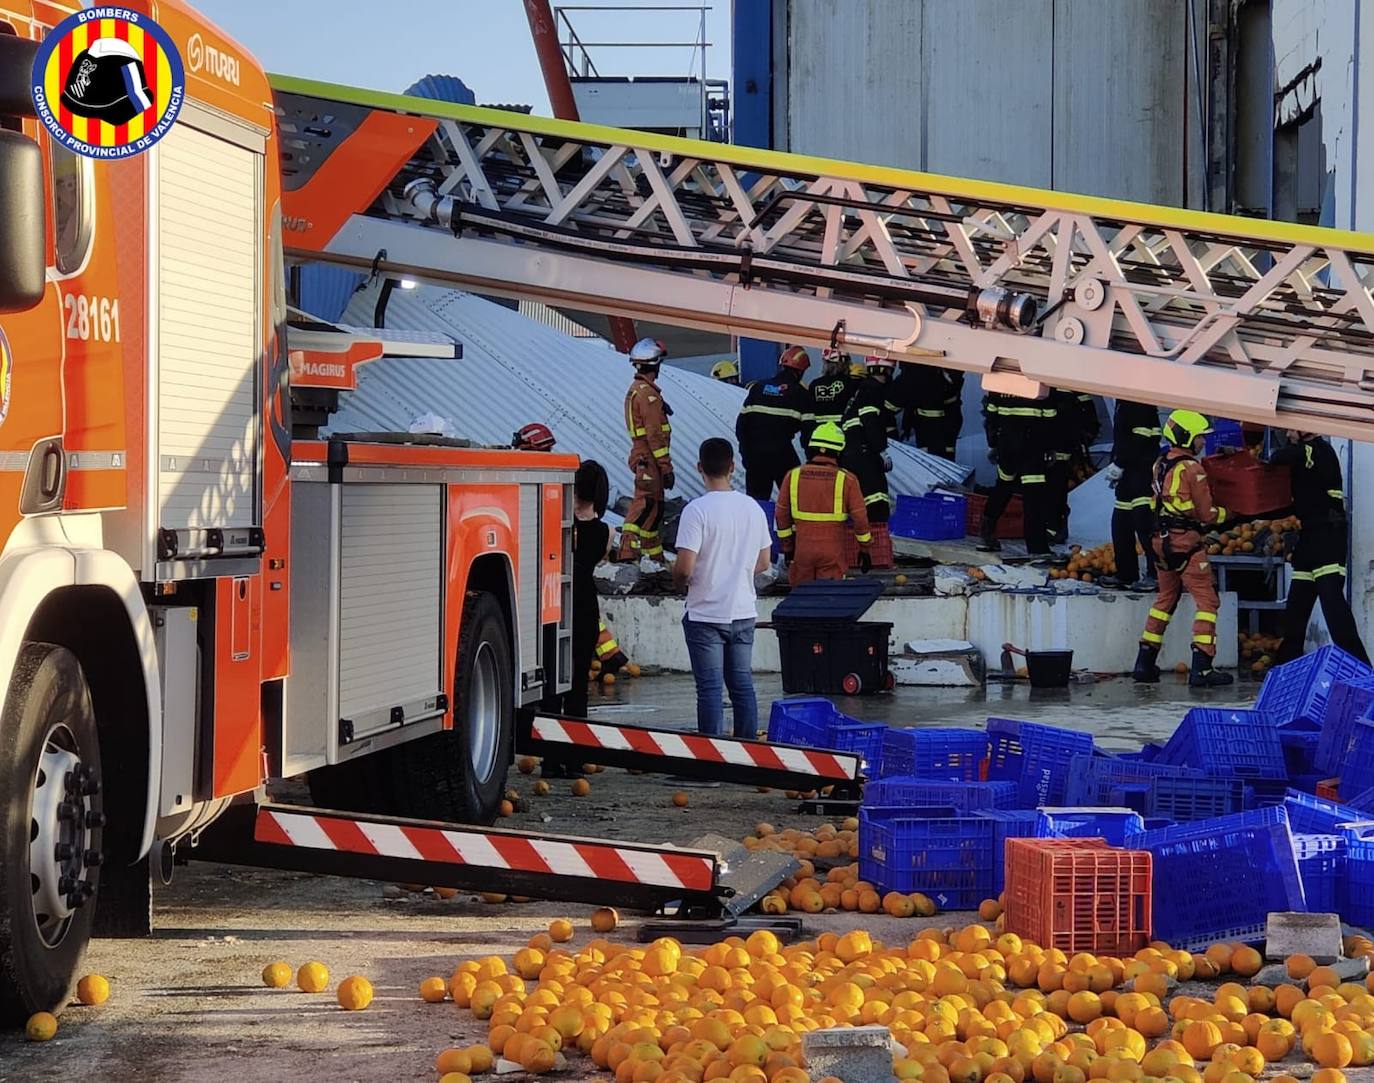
<point>1203,675</point>
<point>1146,666</point>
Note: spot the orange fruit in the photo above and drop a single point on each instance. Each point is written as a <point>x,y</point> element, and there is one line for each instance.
<point>989,910</point>
<point>453,1060</point>
<point>560,930</point>
<point>1328,1075</point>
<point>1320,976</point>
<point>526,765</point>
<point>506,808</point>
<point>276,975</point>
<point>480,1057</point>
<point>1332,1050</point>
<point>541,788</point>
<point>1299,966</point>
<point>433,990</point>
<point>1084,1007</point>
<point>94,989</point>
<point>680,799</point>
<point>581,787</point>
<point>355,993</point>
<point>605,919</point>
<point>41,1027</point>
<point>1246,962</point>
<point>313,977</point>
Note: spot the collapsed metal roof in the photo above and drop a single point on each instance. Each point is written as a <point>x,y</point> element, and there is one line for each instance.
<point>516,370</point>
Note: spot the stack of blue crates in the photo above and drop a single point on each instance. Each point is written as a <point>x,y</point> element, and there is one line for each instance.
<point>1229,743</point>
<point>1112,824</point>
<point>1046,755</point>
<point>1012,823</point>
<point>943,752</point>
<point>1322,866</point>
<point>814,722</point>
<point>1296,693</point>
<point>1357,775</point>
<point>946,857</point>
<point>909,791</point>
<point>1349,701</point>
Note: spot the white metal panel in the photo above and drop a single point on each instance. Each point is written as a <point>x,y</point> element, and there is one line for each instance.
<point>390,596</point>
<point>209,194</point>
<point>531,550</point>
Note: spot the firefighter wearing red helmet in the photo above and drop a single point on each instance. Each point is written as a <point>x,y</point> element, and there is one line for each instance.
<point>651,457</point>
<point>768,423</point>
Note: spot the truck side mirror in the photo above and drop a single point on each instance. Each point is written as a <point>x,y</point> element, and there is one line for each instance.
<point>22,269</point>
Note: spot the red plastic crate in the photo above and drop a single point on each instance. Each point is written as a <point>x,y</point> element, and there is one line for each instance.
<point>1010,525</point>
<point>880,549</point>
<point>1076,898</point>
<point>1329,788</point>
<point>1245,486</point>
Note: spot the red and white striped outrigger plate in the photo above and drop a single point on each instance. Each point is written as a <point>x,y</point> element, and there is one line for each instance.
<point>817,764</point>
<point>498,851</point>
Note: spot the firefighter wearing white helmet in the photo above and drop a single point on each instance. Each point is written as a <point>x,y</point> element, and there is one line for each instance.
<point>867,420</point>
<point>651,437</point>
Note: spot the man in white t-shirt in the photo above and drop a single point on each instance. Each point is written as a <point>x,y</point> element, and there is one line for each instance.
<point>722,543</point>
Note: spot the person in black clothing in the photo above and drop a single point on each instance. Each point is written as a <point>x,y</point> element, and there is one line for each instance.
<point>867,420</point>
<point>1320,556</point>
<point>830,392</point>
<point>1076,428</point>
<point>1136,437</point>
<point>769,421</point>
<point>1019,435</point>
<point>929,400</point>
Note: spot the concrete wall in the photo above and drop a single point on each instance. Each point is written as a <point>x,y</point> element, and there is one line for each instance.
<point>1052,93</point>
<point>1100,629</point>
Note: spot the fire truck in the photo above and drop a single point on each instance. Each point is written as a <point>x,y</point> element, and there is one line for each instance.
<point>202,591</point>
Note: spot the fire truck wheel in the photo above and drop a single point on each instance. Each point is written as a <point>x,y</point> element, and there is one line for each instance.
<point>484,709</point>
<point>50,828</point>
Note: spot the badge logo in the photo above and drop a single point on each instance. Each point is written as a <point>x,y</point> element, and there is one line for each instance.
<point>6,376</point>
<point>108,82</point>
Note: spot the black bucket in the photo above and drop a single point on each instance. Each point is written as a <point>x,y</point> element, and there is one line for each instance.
<point>1049,669</point>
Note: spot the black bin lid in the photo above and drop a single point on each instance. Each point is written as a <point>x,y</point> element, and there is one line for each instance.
<point>833,600</point>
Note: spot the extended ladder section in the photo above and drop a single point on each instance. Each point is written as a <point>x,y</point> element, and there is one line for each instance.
<point>1262,321</point>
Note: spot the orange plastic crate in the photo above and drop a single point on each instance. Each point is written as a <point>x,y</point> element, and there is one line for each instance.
<point>1329,788</point>
<point>880,549</point>
<point>1078,895</point>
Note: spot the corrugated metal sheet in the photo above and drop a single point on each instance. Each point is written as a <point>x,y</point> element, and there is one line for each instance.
<point>442,88</point>
<point>515,370</point>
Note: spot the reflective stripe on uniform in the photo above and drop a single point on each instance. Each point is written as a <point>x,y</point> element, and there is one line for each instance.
<point>1152,637</point>
<point>1203,638</point>
<point>1002,475</point>
<point>1032,479</point>
<point>878,498</point>
<point>930,413</point>
<point>1304,577</point>
<point>868,410</point>
<point>1336,494</point>
<point>1025,411</point>
<point>863,539</point>
<point>638,432</point>
<point>1159,614</point>
<point>1138,502</point>
<point>772,411</point>
<point>1328,569</point>
<point>651,551</point>
<point>1146,432</point>
<point>1206,618</point>
<point>836,516</point>
<point>661,453</point>
<point>786,532</point>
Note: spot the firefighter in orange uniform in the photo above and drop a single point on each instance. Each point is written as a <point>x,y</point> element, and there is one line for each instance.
<point>1186,510</point>
<point>818,505</point>
<point>651,438</point>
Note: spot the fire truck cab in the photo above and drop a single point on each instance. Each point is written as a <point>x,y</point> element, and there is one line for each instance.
<point>190,603</point>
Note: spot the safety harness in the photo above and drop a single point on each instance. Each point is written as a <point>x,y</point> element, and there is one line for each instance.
<point>1172,514</point>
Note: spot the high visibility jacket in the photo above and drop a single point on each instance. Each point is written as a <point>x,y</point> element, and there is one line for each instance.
<point>867,419</point>
<point>816,500</point>
<point>829,396</point>
<point>646,420</point>
<point>1182,494</point>
<point>1017,427</point>
<point>1318,490</point>
<point>1135,434</point>
<point>772,415</point>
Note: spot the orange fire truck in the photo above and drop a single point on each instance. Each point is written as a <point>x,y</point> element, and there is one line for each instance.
<point>200,593</point>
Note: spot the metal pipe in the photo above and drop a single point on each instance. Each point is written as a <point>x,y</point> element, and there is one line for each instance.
<point>545,37</point>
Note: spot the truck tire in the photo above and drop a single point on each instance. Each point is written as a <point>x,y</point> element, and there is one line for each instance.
<point>50,822</point>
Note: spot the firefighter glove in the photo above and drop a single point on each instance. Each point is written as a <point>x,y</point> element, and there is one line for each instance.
<point>669,480</point>
<point>1114,473</point>
<point>887,463</point>
<point>865,561</point>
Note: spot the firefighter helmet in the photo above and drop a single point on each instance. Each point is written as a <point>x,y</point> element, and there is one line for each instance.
<point>874,361</point>
<point>856,368</point>
<point>726,371</point>
<point>834,356</point>
<point>533,437</point>
<point>827,436</point>
<point>648,351</point>
<point>795,358</point>
<point>1185,426</point>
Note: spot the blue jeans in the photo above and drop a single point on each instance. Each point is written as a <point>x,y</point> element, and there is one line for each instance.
<point>722,656</point>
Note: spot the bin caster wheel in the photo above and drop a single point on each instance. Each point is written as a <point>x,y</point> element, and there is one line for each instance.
<point>889,682</point>
<point>851,684</point>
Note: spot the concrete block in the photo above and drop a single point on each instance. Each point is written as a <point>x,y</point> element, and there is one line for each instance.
<point>1317,935</point>
<point>852,1054</point>
<point>1351,969</point>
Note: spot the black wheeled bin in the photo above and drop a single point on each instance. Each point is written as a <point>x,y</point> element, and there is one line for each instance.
<point>825,648</point>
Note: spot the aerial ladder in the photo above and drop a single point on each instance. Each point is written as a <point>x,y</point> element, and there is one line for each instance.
<point>1266,322</point>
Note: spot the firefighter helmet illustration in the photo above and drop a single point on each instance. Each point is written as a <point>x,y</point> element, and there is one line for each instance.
<point>107,82</point>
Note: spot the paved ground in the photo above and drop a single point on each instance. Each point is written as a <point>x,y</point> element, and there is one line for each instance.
<point>188,1005</point>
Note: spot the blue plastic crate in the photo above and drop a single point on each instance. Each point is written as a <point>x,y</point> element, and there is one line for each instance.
<point>1046,753</point>
<point>1228,743</point>
<point>1322,863</point>
<point>1004,749</point>
<point>1007,823</point>
<point>1299,751</point>
<point>1312,815</point>
<point>1357,775</point>
<point>1296,693</point>
<point>1112,824</point>
<point>769,509</point>
<point>1220,879</point>
<point>1132,795</point>
<point>932,517</point>
<point>801,720</point>
<point>894,791</point>
<point>1349,701</point>
<point>1183,799</point>
<point>1092,779</point>
<point>1357,900</point>
<point>1225,433</point>
<point>947,858</point>
<point>862,738</point>
<point>1265,792</point>
<point>1364,803</point>
<point>938,752</point>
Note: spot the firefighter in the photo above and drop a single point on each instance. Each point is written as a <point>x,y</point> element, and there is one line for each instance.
<point>1135,447</point>
<point>651,438</point>
<point>1320,556</point>
<point>929,402</point>
<point>1186,510</point>
<point>830,392</point>
<point>867,419</point>
<point>818,505</point>
<point>1019,435</point>
<point>769,421</point>
<point>726,371</point>
<point>533,437</point>
<point>1076,427</point>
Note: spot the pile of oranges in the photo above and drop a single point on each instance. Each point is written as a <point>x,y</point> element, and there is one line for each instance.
<point>1087,565</point>
<point>1262,536</point>
<point>1257,651</point>
<point>963,1006</point>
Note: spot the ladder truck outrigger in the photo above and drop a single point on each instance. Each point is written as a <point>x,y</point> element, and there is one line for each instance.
<point>200,594</point>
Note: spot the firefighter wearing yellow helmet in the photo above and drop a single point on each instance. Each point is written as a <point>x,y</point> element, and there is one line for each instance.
<point>818,506</point>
